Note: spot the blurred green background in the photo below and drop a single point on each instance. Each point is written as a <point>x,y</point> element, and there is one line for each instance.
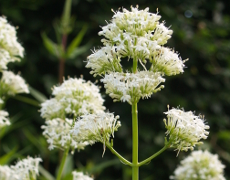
<point>201,33</point>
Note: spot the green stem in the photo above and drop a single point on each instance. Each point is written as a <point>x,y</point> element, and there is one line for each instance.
<point>135,167</point>
<point>135,65</point>
<point>154,155</point>
<point>122,159</point>
<point>62,163</point>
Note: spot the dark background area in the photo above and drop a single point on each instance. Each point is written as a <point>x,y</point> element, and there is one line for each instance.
<point>201,33</point>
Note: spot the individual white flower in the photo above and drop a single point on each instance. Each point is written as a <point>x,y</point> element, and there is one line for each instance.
<point>73,98</point>
<point>4,121</point>
<point>184,129</point>
<point>25,169</point>
<point>131,87</point>
<point>95,127</point>
<point>80,176</point>
<point>57,132</point>
<point>10,49</point>
<point>12,84</point>
<point>200,165</point>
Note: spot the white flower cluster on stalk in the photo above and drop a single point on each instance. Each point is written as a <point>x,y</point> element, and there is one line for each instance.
<point>25,169</point>
<point>80,176</point>
<point>131,87</point>
<point>75,116</point>
<point>184,129</point>
<point>136,35</point>
<point>57,132</point>
<point>200,165</point>
<point>10,49</point>
<point>72,98</point>
<point>97,127</point>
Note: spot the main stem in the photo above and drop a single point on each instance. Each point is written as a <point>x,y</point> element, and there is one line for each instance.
<point>135,167</point>
<point>61,72</point>
<point>65,154</point>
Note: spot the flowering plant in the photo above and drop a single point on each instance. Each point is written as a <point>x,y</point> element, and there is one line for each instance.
<point>75,116</point>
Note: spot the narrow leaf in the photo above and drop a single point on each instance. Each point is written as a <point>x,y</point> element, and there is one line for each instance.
<point>7,157</point>
<point>76,41</point>
<point>78,51</point>
<point>52,47</point>
<point>37,95</point>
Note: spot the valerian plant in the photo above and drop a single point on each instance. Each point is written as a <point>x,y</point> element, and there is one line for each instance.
<point>76,117</point>
<point>139,36</point>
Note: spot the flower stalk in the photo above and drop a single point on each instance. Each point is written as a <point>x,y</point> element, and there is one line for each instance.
<point>65,154</point>
<point>135,167</point>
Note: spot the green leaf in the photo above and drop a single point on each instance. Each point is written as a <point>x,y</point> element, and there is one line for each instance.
<point>7,157</point>
<point>37,95</point>
<point>76,41</point>
<point>52,47</point>
<point>78,51</point>
<point>65,19</point>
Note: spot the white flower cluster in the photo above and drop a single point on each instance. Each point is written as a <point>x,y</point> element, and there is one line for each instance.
<point>4,121</point>
<point>131,87</point>
<point>25,169</point>
<point>184,129</point>
<point>10,49</point>
<point>80,176</point>
<point>97,127</point>
<point>137,35</point>
<point>57,132</point>
<point>200,165</point>
<point>12,84</point>
<point>73,98</point>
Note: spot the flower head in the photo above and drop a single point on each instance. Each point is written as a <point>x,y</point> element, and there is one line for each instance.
<point>71,99</point>
<point>184,129</point>
<point>200,165</point>
<point>10,49</point>
<point>25,169</point>
<point>12,84</point>
<point>80,176</point>
<point>58,135</point>
<point>4,121</point>
<point>131,87</point>
<point>95,127</point>
<point>137,36</point>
